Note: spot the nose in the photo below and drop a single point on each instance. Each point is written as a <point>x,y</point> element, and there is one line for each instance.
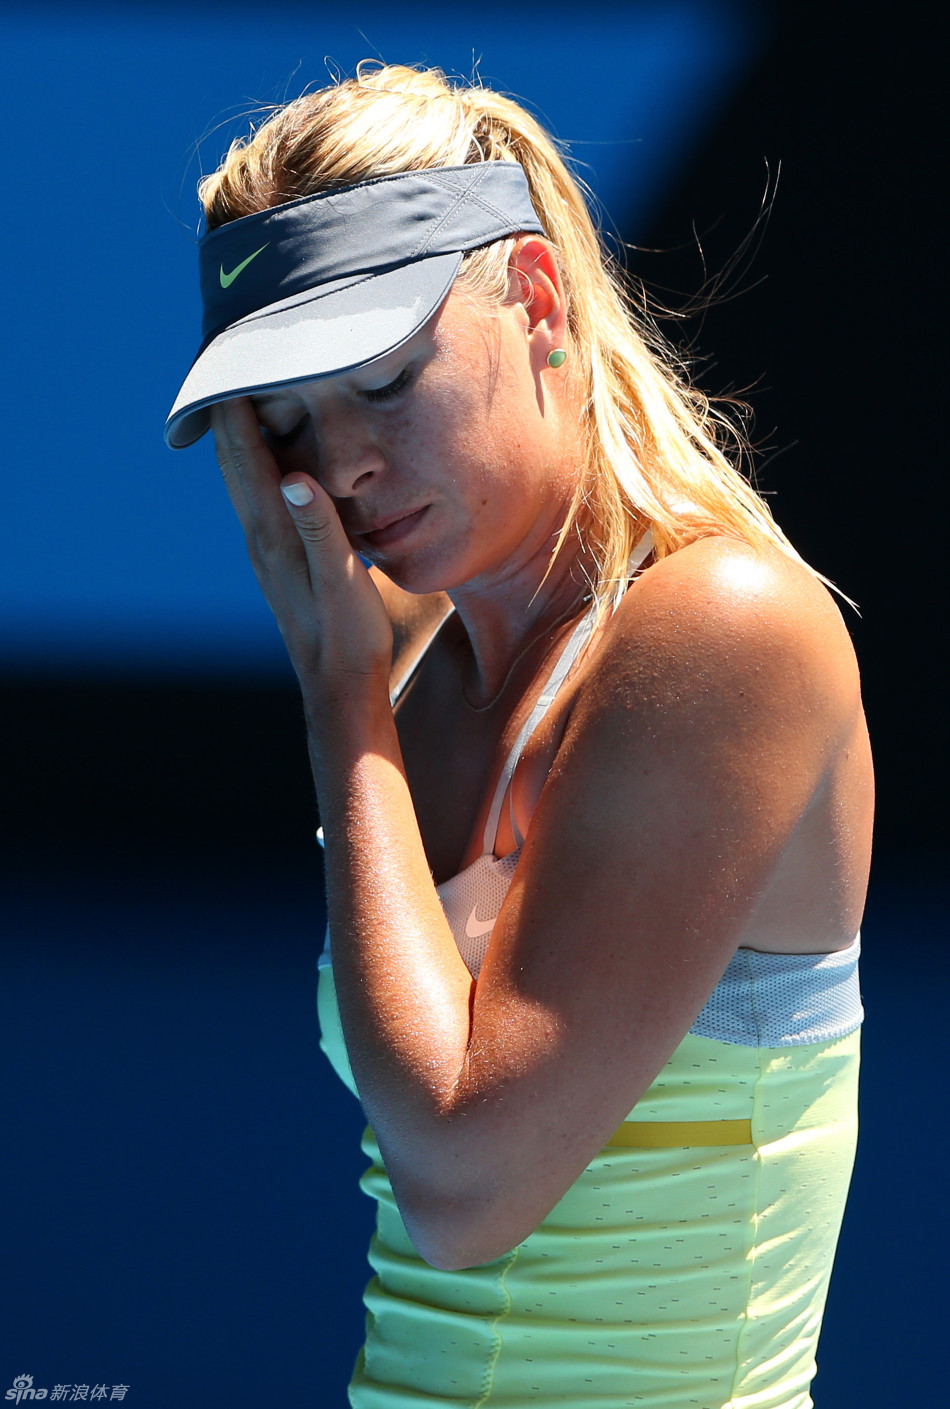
<point>348,457</point>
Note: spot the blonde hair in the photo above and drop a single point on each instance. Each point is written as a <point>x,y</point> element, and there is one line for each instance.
<point>654,443</point>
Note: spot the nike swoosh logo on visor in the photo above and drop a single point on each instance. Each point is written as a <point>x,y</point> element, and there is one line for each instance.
<point>477,929</point>
<point>228,279</point>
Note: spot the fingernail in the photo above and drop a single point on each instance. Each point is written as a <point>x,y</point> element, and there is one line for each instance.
<point>297,494</point>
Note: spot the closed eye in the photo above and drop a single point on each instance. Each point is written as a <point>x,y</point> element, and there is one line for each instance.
<point>393,388</point>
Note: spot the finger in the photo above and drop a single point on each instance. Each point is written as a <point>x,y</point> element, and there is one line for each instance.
<point>319,529</point>
<point>252,479</point>
<point>356,632</point>
<point>247,466</point>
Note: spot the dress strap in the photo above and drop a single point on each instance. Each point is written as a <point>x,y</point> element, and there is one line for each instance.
<point>634,563</point>
<point>543,703</point>
<point>578,639</point>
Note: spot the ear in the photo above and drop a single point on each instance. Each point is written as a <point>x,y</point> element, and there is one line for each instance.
<point>535,282</point>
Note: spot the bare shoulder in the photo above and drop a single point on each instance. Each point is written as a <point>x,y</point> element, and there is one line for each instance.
<point>726,680</point>
<point>733,626</point>
<point>414,617</point>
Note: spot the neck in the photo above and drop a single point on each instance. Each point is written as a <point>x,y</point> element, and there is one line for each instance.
<point>506,617</point>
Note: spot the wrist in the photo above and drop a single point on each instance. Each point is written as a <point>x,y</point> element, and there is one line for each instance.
<point>347,713</point>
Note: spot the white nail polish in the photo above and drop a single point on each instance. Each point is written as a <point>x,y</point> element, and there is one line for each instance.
<point>298,494</point>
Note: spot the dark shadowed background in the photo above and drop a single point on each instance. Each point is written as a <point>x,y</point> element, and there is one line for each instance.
<point>180,1203</point>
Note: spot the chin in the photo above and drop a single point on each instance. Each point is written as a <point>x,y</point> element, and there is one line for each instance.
<point>409,576</point>
<point>424,572</point>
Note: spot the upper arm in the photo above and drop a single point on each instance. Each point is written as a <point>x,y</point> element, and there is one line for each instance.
<point>719,701</point>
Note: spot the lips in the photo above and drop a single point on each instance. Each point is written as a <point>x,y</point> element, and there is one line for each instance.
<point>390,530</point>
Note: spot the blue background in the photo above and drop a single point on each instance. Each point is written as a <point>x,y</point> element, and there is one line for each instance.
<point>179,1165</point>
<point>114,553</point>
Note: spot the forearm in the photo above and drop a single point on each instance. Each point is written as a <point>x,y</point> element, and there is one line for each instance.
<point>403,990</point>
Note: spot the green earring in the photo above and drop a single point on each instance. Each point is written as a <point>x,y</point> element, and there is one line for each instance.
<point>557,358</point>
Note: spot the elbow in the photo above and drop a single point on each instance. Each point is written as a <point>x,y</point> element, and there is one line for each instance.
<point>461,1206</point>
<point>452,1236</point>
<point>451,1253</point>
<point>444,1255</point>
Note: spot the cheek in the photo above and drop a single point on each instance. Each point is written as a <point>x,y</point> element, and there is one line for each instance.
<point>473,438</point>
<point>442,436</point>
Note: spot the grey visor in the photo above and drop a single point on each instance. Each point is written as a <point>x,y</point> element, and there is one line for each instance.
<point>330,282</point>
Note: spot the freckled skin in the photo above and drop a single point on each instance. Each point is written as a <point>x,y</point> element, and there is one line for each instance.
<point>496,467</point>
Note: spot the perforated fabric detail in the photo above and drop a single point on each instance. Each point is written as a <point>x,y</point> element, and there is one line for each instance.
<point>784,1000</point>
<point>471,901</point>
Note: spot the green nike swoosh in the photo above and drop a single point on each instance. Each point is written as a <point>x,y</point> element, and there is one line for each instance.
<point>228,279</point>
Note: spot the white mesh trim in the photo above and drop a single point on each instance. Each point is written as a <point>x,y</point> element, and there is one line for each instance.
<point>784,1000</point>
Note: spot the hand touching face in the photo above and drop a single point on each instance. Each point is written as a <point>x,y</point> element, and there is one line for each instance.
<point>447,459</point>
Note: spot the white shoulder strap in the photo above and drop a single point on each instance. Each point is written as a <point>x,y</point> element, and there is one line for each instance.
<point>578,639</point>
<point>543,703</point>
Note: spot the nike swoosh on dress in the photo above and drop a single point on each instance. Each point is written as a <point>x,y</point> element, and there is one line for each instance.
<point>477,929</point>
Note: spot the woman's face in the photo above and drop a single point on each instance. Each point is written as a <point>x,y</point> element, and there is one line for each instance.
<point>450,460</point>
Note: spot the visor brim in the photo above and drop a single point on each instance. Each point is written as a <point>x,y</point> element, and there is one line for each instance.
<point>319,333</point>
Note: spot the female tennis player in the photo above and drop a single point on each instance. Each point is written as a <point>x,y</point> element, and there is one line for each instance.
<point>591,765</point>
